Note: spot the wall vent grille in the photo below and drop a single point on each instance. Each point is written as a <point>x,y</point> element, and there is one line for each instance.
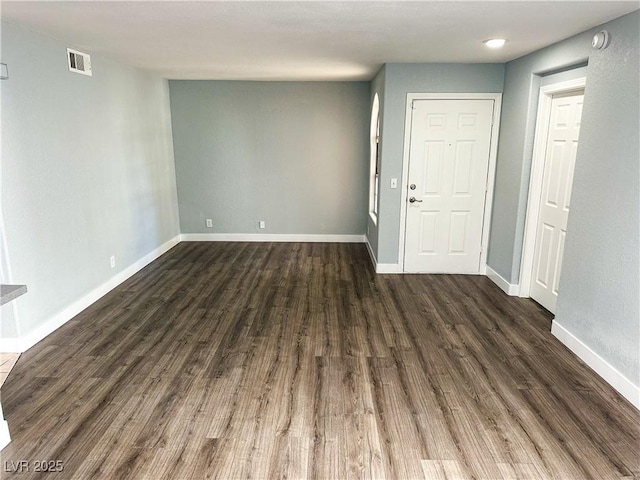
<point>79,62</point>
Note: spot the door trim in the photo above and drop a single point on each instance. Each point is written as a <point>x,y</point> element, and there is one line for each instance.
<point>537,172</point>
<point>491,172</point>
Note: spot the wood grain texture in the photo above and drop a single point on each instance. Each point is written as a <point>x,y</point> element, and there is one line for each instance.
<point>246,360</point>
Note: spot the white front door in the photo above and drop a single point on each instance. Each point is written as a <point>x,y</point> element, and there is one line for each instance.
<point>448,164</point>
<point>560,156</point>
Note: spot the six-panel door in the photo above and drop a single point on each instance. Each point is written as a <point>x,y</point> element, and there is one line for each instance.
<point>448,164</point>
<point>560,157</point>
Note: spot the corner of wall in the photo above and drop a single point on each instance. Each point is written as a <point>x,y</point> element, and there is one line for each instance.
<point>30,338</point>
<point>507,287</point>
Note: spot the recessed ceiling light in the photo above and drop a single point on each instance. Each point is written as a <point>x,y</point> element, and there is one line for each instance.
<point>495,42</point>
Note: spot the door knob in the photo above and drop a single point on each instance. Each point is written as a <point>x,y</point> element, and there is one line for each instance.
<point>413,200</point>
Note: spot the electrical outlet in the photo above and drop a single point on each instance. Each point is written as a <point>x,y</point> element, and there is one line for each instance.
<point>209,223</point>
<point>262,224</point>
<point>112,261</point>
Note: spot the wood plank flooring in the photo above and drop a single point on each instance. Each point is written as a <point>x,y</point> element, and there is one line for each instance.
<point>265,361</point>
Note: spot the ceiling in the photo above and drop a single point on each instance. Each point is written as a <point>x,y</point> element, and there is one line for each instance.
<point>308,40</point>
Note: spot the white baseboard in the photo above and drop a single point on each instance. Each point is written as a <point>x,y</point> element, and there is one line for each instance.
<point>34,336</point>
<point>506,287</point>
<point>388,268</point>
<point>10,345</point>
<point>381,267</point>
<point>5,438</point>
<point>372,255</point>
<point>270,237</point>
<point>612,376</point>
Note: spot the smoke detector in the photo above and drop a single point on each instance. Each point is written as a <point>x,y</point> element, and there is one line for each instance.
<point>600,40</point>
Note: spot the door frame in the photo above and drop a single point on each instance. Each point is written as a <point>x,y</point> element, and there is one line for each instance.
<point>491,172</point>
<point>537,173</point>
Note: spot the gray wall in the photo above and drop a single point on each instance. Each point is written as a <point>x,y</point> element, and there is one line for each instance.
<point>8,322</point>
<point>400,79</point>
<point>515,147</point>
<point>293,154</point>
<point>600,284</point>
<point>87,171</point>
<point>564,76</point>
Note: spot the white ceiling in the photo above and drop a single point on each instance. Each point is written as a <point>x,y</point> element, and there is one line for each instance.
<point>309,40</point>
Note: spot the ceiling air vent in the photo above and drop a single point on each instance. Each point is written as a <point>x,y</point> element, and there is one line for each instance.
<point>79,62</point>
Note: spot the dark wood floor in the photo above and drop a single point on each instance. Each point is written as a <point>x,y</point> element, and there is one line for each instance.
<point>244,360</point>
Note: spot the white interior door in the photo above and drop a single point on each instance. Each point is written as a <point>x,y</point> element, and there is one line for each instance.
<point>560,156</point>
<point>448,164</point>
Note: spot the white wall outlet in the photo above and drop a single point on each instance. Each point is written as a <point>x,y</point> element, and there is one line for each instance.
<point>394,183</point>
<point>112,261</point>
<point>262,224</point>
<point>209,223</point>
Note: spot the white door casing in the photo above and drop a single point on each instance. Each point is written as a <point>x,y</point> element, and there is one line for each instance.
<point>543,116</point>
<point>449,152</point>
<point>561,144</point>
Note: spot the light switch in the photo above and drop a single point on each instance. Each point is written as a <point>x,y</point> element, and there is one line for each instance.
<point>394,183</point>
